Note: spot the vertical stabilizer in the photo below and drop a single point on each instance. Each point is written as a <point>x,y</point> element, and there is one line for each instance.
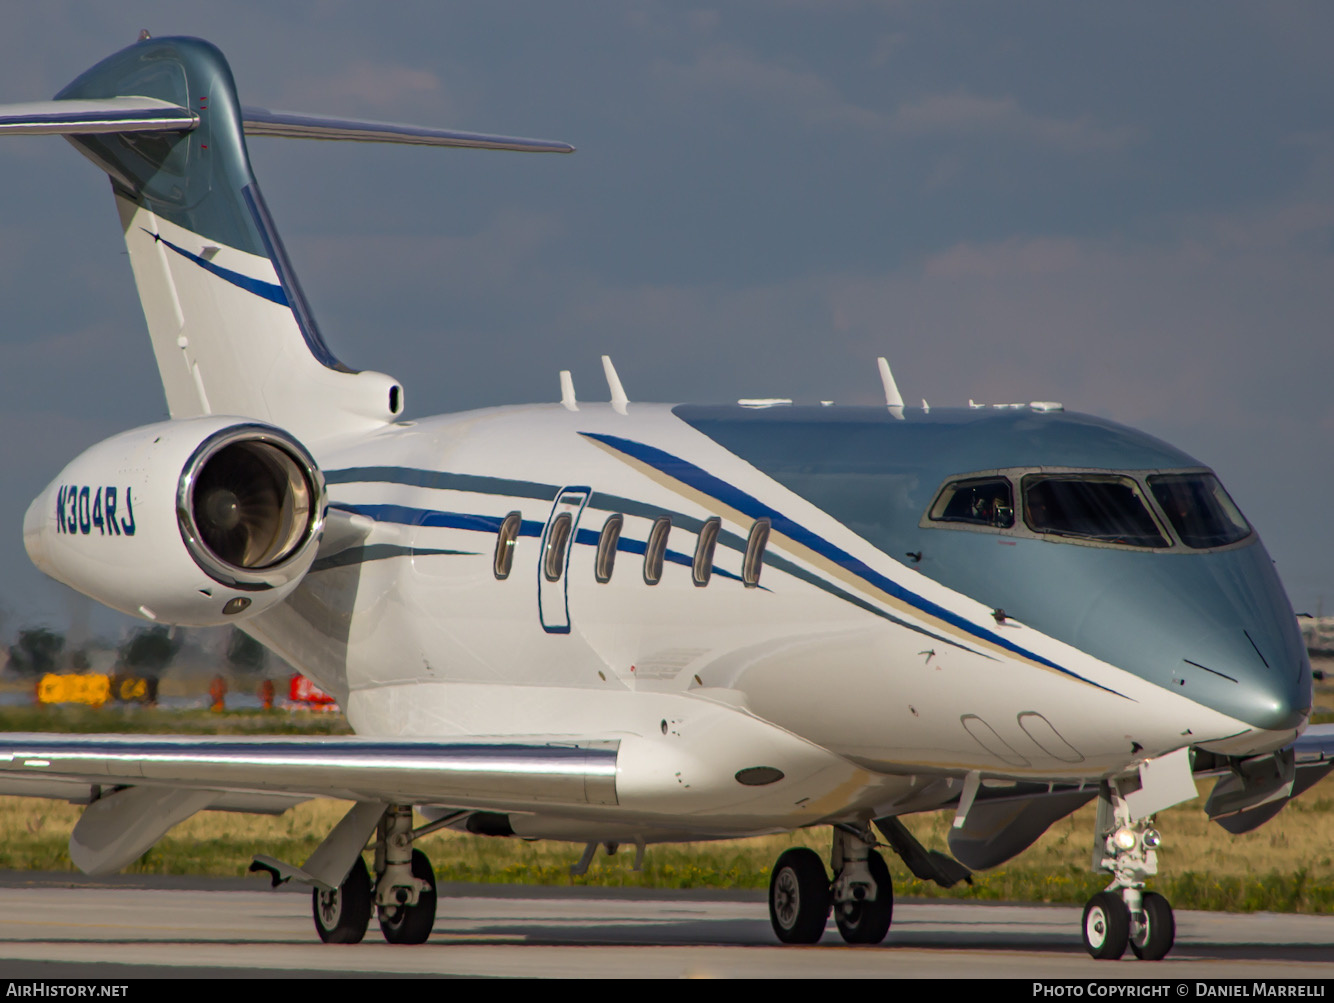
<point>230,327</point>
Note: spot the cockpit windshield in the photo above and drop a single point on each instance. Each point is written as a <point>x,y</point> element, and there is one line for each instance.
<point>1199,509</point>
<point>982,501</point>
<point>1101,508</point>
<point>1107,509</point>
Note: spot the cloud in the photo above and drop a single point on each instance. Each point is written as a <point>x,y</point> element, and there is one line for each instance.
<point>720,72</point>
<point>723,72</point>
<point>1226,311</point>
<point>972,115</point>
<point>365,87</point>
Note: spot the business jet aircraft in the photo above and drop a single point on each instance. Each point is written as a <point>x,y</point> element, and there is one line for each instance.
<point>632,623</point>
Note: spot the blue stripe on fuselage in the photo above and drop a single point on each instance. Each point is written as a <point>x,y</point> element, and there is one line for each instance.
<point>701,480</point>
<point>408,516</point>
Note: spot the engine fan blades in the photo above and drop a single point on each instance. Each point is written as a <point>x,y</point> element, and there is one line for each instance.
<point>251,504</point>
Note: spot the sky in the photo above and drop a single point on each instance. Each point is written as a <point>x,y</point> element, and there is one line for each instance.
<point>1128,208</point>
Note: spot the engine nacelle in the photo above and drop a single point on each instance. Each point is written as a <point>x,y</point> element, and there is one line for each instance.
<point>196,522</point>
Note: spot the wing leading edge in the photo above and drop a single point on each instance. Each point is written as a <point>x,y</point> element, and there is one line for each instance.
<point>481,774</point>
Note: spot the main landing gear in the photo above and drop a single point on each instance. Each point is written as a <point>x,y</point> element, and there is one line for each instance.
<point>1125,914</point>
<point>403,892</point>
<point>861,895</point>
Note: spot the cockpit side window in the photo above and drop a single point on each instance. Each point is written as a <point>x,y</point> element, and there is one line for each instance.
<point>980,501</point>
<point>1199,509</point>
<point>1103,508</point>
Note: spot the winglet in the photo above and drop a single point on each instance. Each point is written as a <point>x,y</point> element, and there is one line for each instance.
<point>618,398</point>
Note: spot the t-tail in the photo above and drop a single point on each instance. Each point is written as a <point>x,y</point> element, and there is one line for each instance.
<point>231,330</point>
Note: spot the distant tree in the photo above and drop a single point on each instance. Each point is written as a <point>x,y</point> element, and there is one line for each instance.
<point>35,650</point>
<point>150,651</point>
<point>245,655</point>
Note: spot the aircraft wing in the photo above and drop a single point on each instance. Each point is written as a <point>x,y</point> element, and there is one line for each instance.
<point>504,774</point>
<point>1316,745</point>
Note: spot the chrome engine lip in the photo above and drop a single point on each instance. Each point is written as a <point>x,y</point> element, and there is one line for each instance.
<point>251,579</point>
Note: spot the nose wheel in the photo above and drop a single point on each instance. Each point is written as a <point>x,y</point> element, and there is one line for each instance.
<point>1157,933</point>
<point>1106,926</point>
<point>1125,915</point>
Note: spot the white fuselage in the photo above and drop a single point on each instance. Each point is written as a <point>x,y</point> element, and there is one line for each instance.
<point>880,698</point>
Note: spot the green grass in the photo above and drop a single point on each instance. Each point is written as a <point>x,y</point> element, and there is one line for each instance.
<point>159,721</point>
<point>1285,866</point>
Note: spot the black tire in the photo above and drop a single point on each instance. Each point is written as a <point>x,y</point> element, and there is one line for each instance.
<point>1106,927</point>
<point>1161,929</point>
<point>342,915</point>
<point>412,924</point>
<point>868,921</point>
<point>799,897</point>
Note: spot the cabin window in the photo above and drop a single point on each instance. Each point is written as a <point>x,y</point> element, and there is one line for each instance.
<point>979,501</point>
<point>606,559</point>
<point>1199,510</point>
<point>505,541</point>
<point>655,551</point>
<point>702,569</point>
<point>558,538</point>
<point>1101,508</point>
<point>754,560</point>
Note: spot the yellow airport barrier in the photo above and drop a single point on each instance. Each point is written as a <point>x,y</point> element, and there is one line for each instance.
<point>94,688</point>
<point>91,688</point>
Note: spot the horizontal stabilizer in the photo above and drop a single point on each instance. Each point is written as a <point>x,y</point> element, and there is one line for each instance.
<point>294,125</point>
<point>92,116</point>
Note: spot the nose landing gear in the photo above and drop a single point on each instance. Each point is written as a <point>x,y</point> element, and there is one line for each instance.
<point>1124,914</point>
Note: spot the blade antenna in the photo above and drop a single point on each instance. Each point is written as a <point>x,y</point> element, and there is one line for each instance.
<point>567,391</point>
<point>893,399</point>
<point>618,398</point>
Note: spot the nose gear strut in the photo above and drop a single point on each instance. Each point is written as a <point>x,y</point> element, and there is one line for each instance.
<point>1124,914</point>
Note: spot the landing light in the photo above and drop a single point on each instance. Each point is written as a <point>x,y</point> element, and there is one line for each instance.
<point>1124,838</point>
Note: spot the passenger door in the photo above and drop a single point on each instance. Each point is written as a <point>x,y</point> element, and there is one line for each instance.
<point>554,560</point>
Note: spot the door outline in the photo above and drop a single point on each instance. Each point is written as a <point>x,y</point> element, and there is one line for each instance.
<point>553,598</point>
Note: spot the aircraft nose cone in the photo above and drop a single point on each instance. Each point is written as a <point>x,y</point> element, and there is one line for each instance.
<point>1216,628</point>
<point>1272,688</point>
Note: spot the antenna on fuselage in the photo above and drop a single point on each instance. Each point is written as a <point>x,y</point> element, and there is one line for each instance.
<point>567,391</point>
<point>618,398</point>
<point>893,399</point>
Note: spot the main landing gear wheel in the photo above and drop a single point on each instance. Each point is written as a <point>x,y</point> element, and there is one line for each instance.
<point>342,915</point>
<point>867,921</point>
<point>412,924</point>
<point>1155,938</point>
<point>799,897</point>
<point>1106,926</point>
